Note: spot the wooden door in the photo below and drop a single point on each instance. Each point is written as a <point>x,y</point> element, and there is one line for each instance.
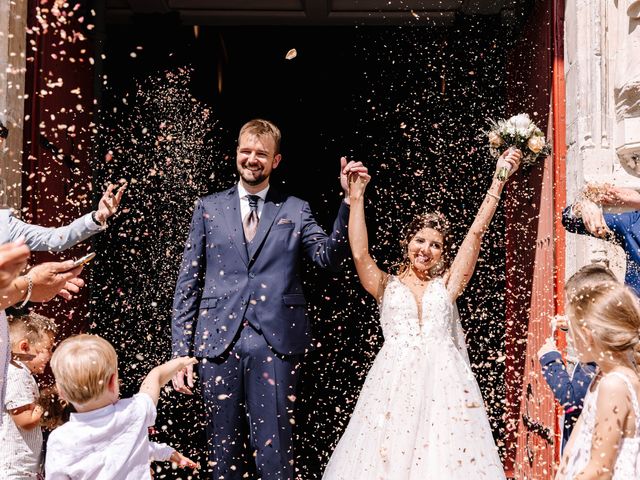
<point>535,246</point>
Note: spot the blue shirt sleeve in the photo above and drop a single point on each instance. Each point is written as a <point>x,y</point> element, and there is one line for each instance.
<point>569,391</point>
<point>618,223</point>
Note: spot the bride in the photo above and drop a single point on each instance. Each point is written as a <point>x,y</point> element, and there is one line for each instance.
<point>420,414</point>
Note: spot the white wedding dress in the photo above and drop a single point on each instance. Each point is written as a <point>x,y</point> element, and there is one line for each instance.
<point>420,414</point>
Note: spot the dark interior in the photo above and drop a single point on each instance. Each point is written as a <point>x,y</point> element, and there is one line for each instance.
<point>410,102</point>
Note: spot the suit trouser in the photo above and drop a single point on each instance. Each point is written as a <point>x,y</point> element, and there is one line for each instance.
<point>251,388</point>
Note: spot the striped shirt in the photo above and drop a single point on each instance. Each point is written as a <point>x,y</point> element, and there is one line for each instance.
<point>21,452</point>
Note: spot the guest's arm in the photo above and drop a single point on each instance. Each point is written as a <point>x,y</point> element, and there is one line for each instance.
<point>47,279</point>
<point>27,417</point>
<point>569,392</point>
<point>465,261</point>
<point>40,238</point>
<point>621,197</point>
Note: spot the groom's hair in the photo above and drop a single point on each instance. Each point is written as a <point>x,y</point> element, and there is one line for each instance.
<point>589,275</point>
<point>262,128</point>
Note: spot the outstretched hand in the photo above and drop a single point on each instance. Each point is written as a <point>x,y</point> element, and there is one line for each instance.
<point>55,278</point>
<point>593,218</point>
<point>348,168</point>
<point>181,461</point>
<point>110,202</point>
<point>183,379</point>
<point>620,197</point>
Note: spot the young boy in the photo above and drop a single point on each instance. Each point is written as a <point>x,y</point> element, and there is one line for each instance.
<point>31,337</point>
<point>107,437</point>
<point>570,388</point>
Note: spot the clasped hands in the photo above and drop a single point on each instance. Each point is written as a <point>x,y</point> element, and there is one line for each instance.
<point>354,177</point>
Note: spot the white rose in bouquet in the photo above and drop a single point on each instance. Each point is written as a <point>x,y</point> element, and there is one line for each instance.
<point>522,124</point>
<point>519,132</point>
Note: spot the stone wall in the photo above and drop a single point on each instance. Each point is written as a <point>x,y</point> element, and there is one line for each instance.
<point>598,39</point>
<point>13,22</point>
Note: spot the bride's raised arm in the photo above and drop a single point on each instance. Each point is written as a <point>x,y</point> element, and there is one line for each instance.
<point>371,277</point>
<point>464,264</point>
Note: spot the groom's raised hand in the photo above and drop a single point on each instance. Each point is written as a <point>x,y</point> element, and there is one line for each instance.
<point>347,168</point>
<point>179,378</point>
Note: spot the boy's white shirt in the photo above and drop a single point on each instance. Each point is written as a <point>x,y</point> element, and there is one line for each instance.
<point>21,450</point>
<point>108,443</point>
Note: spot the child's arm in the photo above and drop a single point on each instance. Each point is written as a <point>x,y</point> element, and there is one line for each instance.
<point>162,374</point>
<point>612,408</point>
<point>27,417</point>
<point>161,452</point>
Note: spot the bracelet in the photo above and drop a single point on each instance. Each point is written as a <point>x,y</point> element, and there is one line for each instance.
<point>29,290</point>
<point>497,197</point>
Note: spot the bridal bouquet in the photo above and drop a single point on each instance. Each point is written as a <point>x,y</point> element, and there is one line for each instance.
<point>519,132</point>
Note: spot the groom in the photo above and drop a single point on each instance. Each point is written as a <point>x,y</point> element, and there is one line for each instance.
<point>239,306</point>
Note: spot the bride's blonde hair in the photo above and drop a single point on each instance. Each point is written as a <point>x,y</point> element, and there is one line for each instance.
<point>610,311</point>
<point>436,221</point>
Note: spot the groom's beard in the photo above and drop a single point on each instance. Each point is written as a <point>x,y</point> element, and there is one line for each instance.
<point>254,178</point>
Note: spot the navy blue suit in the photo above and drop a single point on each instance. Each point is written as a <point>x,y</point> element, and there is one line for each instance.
<point>626,229</point>
<point>569,390</point>
<point>242,308</point>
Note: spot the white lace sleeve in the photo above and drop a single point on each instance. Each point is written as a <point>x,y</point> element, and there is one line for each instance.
<point>458,334</point>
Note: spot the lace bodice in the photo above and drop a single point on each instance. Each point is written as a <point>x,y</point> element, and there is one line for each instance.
<point>399,315</point>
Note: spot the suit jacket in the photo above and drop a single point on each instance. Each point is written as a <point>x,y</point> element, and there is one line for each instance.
<point>626,229</point>
<point>223,281</point>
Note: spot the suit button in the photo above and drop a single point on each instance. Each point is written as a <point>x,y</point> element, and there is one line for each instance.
<point>252,275</point>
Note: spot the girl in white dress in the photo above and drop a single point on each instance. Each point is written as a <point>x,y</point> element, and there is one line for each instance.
<point>420,414</point>
<point>604,321</point>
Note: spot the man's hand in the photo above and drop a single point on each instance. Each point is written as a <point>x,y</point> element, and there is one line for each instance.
<point>621,197</point>
<point>549,345</point>
<point>593,218</point>
<point>109,202</point>
<point>179,380</point>
<point>13,258</point>
<point>182,461</point>
<point>347,168</point>
<point>55,278</point>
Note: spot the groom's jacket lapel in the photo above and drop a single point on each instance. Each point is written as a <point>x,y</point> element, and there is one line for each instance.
<point>272,205</point>
<point>233,217</point>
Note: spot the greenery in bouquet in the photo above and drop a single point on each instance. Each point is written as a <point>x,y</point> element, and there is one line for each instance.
<point>520,132</point>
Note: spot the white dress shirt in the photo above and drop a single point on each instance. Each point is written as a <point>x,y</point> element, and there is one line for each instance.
<point>105,444</point>
<point>244,201</point>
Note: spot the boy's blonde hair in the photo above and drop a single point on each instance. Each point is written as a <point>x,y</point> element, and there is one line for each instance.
<point>610,311</point>
<point>82,366</point>
<point>31,326</point>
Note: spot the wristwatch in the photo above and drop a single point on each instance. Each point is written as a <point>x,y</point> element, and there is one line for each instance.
<point>95,220</point>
